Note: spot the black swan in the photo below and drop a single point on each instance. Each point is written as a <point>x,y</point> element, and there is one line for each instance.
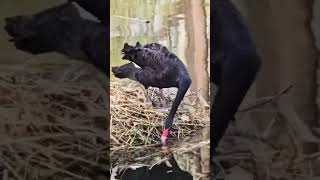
<point>158,68</point>
<point>61,29</point>
<point>235,64</point>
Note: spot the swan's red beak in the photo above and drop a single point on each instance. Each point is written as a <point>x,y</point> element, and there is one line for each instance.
<point>164,136</point>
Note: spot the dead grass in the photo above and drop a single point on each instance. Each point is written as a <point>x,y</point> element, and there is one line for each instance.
<point>51,128</point>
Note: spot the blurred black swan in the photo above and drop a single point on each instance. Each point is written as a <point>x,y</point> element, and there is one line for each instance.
<point>158,68</point>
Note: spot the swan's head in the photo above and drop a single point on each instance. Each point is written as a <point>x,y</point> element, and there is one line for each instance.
<point>130,52</point>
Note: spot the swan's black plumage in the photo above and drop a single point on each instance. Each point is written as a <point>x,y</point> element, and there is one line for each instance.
<point>235,64</point>
<point>61,29</point>
<point>158,68</point>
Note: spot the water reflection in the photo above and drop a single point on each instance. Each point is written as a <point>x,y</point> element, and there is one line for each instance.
<point>178,24</point>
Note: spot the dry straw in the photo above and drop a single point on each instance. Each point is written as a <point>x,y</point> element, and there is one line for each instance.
<point>51,128</point>
<point>137,126</point>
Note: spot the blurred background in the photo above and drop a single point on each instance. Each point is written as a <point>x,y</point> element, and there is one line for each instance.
<point>279,137</point>
<point>9,55</point>
<point>44,114</point>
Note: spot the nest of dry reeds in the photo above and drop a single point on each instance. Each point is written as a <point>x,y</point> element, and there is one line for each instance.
<point>137,125</point>
<point>51,128</point>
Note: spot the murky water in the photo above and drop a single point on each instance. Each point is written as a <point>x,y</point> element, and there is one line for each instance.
<point>181,25</point>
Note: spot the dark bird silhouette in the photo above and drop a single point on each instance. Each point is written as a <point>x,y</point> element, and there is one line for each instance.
<point>158,68</point>
<point>61,29</point>
<point>235,64</point>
